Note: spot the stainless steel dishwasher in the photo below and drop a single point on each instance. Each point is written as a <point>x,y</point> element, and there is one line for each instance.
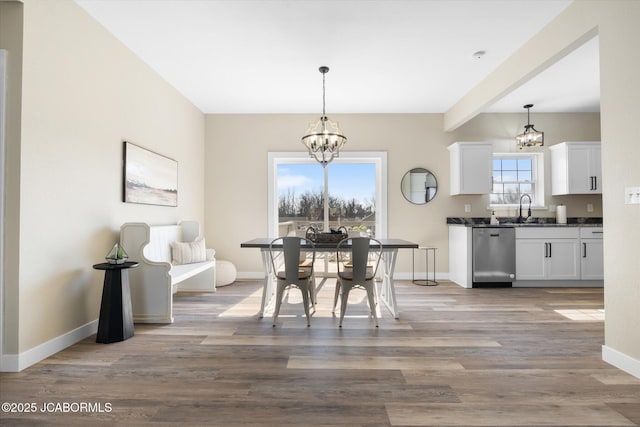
<point>494,255</point>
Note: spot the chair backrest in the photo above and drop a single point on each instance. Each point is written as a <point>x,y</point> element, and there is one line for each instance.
<point>365,254</point>
<point>291,248</point>
<point>160,239</point>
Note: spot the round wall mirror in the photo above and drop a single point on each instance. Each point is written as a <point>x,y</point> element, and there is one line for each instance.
<point>419,186</point>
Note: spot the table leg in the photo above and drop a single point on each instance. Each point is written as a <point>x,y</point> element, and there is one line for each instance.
<point>387,289</point>
<point>434,268</point>
<point>267,287</point>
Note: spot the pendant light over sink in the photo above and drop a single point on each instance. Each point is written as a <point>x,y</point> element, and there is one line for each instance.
<point>530,137</point>
<point>324,139</point>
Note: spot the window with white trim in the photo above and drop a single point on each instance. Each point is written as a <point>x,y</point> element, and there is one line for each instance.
<point>515,175</point>
<point>342,174</point>
<point>289,174</point>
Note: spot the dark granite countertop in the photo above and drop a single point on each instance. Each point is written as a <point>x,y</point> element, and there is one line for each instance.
<point>535,222</point>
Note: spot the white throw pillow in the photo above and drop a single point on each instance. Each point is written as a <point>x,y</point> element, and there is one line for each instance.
<point>188,252</point>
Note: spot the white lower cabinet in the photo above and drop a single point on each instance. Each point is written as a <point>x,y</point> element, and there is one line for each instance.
<point>530,265</point>
<point>547,253</point>
<point>563,259</point>
<point>545,256</point>
<point>591,255</point>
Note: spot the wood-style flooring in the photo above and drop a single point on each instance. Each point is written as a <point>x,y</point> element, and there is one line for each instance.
<point>463,357</point>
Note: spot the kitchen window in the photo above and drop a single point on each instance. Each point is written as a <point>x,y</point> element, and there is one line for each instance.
<point>517,174</point>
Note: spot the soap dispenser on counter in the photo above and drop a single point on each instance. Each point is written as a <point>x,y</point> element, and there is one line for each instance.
<point>494,219</point>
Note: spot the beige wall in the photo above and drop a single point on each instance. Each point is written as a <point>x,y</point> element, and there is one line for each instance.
<point>620,68</point>
<point>83,93</point>
<point>615,22</point>
<point>236,158</point>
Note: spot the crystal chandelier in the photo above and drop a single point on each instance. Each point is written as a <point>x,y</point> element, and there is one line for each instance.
<point>530,137</point>
<point>324,138</point>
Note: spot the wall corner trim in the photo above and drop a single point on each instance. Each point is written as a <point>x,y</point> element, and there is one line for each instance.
<point>621,361</point>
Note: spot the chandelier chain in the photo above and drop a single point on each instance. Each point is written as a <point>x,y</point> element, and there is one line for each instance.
<point>324,75</point>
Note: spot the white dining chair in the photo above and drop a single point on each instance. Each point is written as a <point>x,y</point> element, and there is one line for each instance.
<point>288,249</point>
<point>357,268</point>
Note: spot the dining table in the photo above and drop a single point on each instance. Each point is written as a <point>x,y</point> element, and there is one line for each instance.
<point>386,290</point>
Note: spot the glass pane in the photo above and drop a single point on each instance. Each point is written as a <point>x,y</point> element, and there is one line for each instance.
<point>511,176</point>
<point>497,164</point>
<point>511,198</point>
<point>509,164</point>
<point>524,164</point>
<point>496,199</point>
<point>524,175</point>
<point>300,197</point>
<point>511,192</point>
<point>526,188</point>
<point>352,194</point>
<point>498,188</point>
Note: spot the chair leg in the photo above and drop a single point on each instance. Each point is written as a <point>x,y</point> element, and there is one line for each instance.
<point>312,304</point>
<point>335,297</point>
<point>305,302</point>
<point>372,303</point>
<point>312,290</point>
<point>343,303</point>
<point>313,295</point>
<point>279,292</point>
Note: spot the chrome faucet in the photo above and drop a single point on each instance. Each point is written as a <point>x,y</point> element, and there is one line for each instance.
<point>520,217</point>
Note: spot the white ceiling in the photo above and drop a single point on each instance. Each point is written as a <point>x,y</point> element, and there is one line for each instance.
<point>385,56</point>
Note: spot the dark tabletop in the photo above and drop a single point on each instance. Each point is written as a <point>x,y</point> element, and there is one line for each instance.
<point>107,266</point>
<point>263,243</point>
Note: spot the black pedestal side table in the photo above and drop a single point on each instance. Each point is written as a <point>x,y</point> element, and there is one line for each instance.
<point>116,318</point>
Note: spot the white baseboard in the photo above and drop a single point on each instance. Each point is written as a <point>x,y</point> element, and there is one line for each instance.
<point>243,275</point>
<point>18,362</point>
<point>621,361</point>
<point>419,276</point>
<point>250,275</point>
<point>558,283</point>
<point>153,318</point>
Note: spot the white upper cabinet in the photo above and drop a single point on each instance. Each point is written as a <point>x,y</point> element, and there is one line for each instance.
<point>576,168</point>
<point>470,167</point>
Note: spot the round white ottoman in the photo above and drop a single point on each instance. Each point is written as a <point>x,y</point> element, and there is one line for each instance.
<point>225,273</point>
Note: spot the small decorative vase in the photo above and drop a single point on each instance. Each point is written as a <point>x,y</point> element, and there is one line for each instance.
<point>117,255</point>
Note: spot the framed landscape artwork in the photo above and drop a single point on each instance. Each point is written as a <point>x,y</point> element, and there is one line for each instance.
<point>149,178</point>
